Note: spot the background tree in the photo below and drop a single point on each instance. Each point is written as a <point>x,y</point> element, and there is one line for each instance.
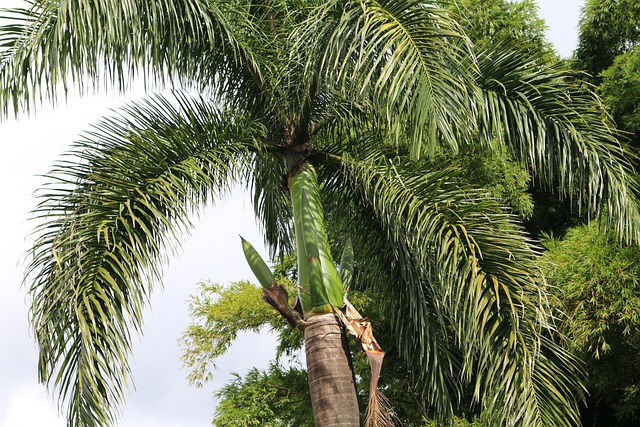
<point>620,90</point>
<point>356,89</point>
<point>279,395</point>
<point>509,23</point>
<point>608,51</point>
<point>275,397</point>
<point>608,28</point>
<point>598,287</point>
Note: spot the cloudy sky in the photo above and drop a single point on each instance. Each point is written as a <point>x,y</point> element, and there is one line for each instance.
<point>161,397</point>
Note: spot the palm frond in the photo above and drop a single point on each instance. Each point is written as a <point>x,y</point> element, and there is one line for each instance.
<point>108,217</point>
<point>460,282</point>
<point>560,131</point>
<point>272,203</point>
<point>400,55</point>
<point>50,44</point>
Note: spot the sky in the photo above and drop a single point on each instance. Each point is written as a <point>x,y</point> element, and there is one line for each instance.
<point>161,397</point>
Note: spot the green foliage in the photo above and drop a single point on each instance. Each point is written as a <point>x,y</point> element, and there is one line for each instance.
<point>505,180</point>
<point>507,23</point>
<point>608,28</point>
<point>620,90</point>
<point>362,89</point>
<point>457,422</point>
<point>276,397</point>
<point>597,284</point>
<point>220,313</point>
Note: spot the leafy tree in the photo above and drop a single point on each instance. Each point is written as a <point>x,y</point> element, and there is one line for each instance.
<point>275,397</point>
<point>359,91</point>
<point>223,311</point>
<point>508,23</point>
<point>598,286</point>
<point>620,90</point>
<point>608,28</point>
<point>505,180</point>
<point>261,397</point>
<point>608,51</point>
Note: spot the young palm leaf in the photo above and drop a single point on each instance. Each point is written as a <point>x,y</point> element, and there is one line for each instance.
<point>273,293</point>
<point>258,266</point>
<point>320,288</point>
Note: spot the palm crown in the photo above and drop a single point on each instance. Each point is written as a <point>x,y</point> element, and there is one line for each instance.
<point>362,89</point>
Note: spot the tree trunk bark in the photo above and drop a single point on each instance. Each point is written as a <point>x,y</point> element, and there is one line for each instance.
<point>330,371</point>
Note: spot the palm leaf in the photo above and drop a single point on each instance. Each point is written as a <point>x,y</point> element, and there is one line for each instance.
<point>271,202</point>
<point>558,129</point>
<point>50,44</point>
<point>401,56</point>
<point>468,303</point>
<point>107,222</point>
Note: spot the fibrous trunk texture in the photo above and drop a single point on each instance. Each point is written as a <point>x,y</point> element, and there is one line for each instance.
<point>331,380</point>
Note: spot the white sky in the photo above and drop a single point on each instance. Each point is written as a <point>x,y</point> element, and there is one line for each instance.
<point>161,397</point>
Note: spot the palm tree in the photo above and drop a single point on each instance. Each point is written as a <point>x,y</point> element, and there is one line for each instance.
<point>361,90</point>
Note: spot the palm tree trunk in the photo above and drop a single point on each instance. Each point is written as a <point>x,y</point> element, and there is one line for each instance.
<point>330,371</point>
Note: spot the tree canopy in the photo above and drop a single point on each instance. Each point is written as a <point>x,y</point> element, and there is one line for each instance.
<point>508,23</point>
<point>608,28</point>
<point>620,90</point>
<point>597,284</point>
<point>368,92</point>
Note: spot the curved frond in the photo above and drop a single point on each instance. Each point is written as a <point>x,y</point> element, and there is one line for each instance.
<point>561,132</point>
<point>107,219</point>
<point>403,56</point>
<point>461,284</point>
<point>51,44</point>
<point>272,202</point>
